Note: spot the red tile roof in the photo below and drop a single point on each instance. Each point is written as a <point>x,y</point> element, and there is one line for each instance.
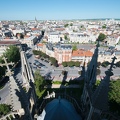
<point>40,45</point>
<point>34,29</point>
<point>78,53</point>
<point>59,29</point>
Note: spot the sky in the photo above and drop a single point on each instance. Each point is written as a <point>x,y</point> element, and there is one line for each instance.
<point>58,9</point>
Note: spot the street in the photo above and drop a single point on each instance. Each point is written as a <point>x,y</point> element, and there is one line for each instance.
<point>5,94</point>
<point>55,73</point>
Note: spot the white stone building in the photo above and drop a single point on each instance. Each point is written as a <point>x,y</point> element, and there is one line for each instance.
<point>82,37</point>
<point>30,41</point>
<point>54,37</point>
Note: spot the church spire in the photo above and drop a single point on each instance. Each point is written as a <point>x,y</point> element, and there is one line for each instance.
<point>100,96</point>
<point>92,68</point>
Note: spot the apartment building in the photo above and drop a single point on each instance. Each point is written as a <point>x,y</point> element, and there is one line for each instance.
<point>30,41</point>
<point>81,38</point>
<point>81,55</point>
<point>63,53</point>
<point>108,55</point>
<point>54,37</point>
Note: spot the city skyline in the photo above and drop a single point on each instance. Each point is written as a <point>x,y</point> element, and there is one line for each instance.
<point>59,9</point>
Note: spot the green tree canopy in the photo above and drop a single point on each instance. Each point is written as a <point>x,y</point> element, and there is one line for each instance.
<point>71,24</point>
<point>118,64</point>
<point>39,82</point>
<point>2,72</point>
<point>4,109</point>
<point>105,64</point>
<point>77,64</point>
<point>53,61</point>
<point>65,37</point>
<point>70,63</point>
<point>101,37</point>
<point>64,64</point>
<point>104,26</point>
<point>114,94</point>
<point>74,47</point>
<point>66,25</point>
<point>12,54</point>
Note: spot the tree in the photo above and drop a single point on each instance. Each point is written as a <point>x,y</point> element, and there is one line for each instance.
<point>77,64</point>
<point>118,64</point>
<point>54,61</point>
<point>74,47</point>
<point>104,26</point>
<point>101,37</point>
<point>114,94</point>
<point>66,25</point>
<point>12,54</point>
<point>105,64</point>
<point>2,72</point>
<point>71,24</point>
<point>39,82</point>
<point>4,109</point>
<point>65,37</point>
<point>64,64</point>
<point>70,63</point>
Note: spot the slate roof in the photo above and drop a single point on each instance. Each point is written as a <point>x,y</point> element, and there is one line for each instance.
<point>59,110</point>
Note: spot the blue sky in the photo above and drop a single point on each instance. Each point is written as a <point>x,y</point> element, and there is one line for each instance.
<point>58,9</point>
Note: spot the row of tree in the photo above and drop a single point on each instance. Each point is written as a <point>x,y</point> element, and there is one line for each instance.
<point>106,63</point>
<point>66,25</point>
<point>71,63</point>
<point>43,55</point>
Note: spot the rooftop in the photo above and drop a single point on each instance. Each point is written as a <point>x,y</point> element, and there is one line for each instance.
<point>81,52</point>
<point>59,109</point>
<point>9,42</point>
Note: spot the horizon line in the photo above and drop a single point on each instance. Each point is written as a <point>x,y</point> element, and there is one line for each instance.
<point>58,19</point>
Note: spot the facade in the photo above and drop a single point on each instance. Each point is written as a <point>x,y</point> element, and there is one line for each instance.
<point>108,55</point>
<point>54,38</point>
<point>63,53</point>
<point>18,31</point>
<point>30,41</point>
<point>82,38</point>
<point>39,47</point>
<point>81,55</point>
